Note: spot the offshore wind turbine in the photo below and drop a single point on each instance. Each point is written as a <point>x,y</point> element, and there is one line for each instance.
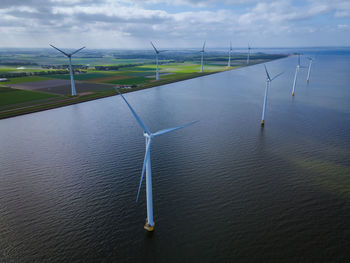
<point>268,82</point>
<point>296,75</point>
<point>156,51</point>
<point>248,56</point>
<point>149,225</point>
<point>202,51</point>
<point>309,70</point>
<point>69,55</point>
<point>229,55</point>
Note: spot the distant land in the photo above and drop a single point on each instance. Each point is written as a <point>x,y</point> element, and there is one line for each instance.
<point>38,79</point>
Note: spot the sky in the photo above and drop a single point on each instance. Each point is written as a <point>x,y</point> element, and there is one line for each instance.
<point>132,24</point>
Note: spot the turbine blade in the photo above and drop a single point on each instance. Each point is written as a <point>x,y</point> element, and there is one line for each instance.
<point>203,46</point>
<point>267,73</point>
<point>154,48</point>
<point>148,147</point>
<point>138,119</point>
<point>277,76</point>
<point>173,129</point>
<point>230,46</point>
<point>60,50</point>
<point>76,51</point>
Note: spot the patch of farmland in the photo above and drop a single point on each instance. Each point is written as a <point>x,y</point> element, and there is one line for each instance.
<point>10,96</point>
<point>84,76</point>
<point>50,83</point>
<point>130,81</point>
<point>160,75</point>
<point>110,78</point>
<point>24,80</point>
<point>141,68</point>
<point>81,87</point>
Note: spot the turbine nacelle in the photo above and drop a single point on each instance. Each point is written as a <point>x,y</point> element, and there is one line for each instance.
<point>149,135</point>
<point>156,50</point>
<point>202,50</point>
<point>69,55</point>
<point>248,55</point>
<point>268,81</point>
<point>156,53</point>
<point>268,78</point>
<point>146,135</point>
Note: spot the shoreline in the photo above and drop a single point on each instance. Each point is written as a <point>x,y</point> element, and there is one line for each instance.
<point>85,98</point>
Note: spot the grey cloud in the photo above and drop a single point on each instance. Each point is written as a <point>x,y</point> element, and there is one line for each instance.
<point>135,21</point>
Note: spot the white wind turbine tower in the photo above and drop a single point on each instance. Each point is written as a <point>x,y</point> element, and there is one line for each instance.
<point>157,52</point>
<point>229,55</point>
<point>202,51</point>
<point>309,70</point>
<point>149,225</point>
<point>69,55</point>
<point>268,82</point>
<point>296,75</point>
<point>248,56</point>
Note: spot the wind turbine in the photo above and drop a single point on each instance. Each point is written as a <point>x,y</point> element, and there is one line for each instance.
<point>296,75</point>
<point>202,51</point>
<point>309,70</point>
<point>248,57</point>
<point>229,55</point>
<point>149,225</point>
<point>268,82</point>
<point>157,52</point>
<point>69,55</point>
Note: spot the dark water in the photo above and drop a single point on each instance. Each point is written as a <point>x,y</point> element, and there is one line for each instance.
<point>225,190</point>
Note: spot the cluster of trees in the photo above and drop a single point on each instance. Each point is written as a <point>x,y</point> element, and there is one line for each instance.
<point>106,68</point>
<point>39,73</point>
<point>8,63</point>
<point>64,66</point>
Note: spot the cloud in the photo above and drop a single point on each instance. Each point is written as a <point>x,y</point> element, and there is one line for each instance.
<point>342,14</point>
<point>132,23</point>
<point>344,27</point>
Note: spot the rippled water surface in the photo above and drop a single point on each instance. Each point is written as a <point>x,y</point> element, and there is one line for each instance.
<point>225,190</point>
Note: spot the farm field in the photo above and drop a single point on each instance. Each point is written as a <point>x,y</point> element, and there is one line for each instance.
<point>10,96</point>
<point>143,74</point>
<point>35,80</point>
<point>28,79</point>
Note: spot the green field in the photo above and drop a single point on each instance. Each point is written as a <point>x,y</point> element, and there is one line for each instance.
<point>129,81</point>
<point>131,68</point>
<point>143,74</point>
<point>14,69</point>
<point>9,96</point>
<point>85,76</point>
<point>23,80</point>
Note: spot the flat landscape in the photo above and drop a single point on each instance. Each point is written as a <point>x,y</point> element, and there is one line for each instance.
<point>40,78</point>
<point>175,131</point>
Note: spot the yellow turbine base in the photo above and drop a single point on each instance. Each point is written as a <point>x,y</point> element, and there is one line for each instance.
<point>262,123</point>
<point>307,80</point>
<point>148,227</point>
<point>292,93</point>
